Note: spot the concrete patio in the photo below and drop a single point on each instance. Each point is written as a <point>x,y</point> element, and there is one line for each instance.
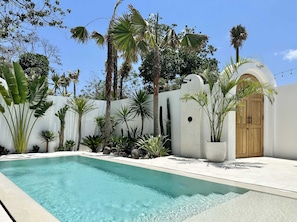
<point>272,181</point>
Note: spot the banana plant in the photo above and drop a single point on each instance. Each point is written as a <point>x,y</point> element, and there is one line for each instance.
<point>23,104</point>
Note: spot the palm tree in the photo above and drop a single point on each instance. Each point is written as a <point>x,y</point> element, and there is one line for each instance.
<point>238,35</point>
<point>133,34</point>
<point>81,106</point>
<point>124,115</point>
<point>47,136</point>
<point>74,78</point>
<point>140,106</point>
<point>55,78</point>
<point>64,82</point>
<point>80,33</point>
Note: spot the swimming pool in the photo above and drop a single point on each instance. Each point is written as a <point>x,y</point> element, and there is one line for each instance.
<point>76,188</point>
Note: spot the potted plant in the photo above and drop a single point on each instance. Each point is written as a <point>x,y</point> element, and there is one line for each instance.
<point>220,97</point>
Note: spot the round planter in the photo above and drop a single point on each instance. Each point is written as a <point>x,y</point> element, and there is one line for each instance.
<point>215,151</point>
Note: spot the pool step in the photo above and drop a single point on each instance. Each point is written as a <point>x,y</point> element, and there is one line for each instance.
<point>183,207</point>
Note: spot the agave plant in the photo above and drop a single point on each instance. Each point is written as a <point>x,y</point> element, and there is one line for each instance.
<point>154,146</point>
<point>24,104</point>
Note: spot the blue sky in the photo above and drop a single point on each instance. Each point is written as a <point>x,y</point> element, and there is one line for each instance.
<point>271,26</point>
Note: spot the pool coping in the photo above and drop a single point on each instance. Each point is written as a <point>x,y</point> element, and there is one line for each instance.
<point>248,186</point>
<point>23,208</point>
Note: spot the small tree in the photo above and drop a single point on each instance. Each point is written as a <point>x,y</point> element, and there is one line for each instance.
<point>140,106</point>
<point>61,115</point>
<point>34,65</point>
<point>238,35</point>
<point>124,115</point>
<point>47,136</point>
<point>81,106</point>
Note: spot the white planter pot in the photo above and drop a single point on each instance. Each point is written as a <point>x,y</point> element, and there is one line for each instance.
<point>215,151</point>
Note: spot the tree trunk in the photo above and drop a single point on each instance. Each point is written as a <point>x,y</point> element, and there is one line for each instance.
<point>74,90</point>
<point>61,136</point>
<point>115,74</point>
<point>109,67</point>
<point>79,132</point>
<point>237,54</point>
<point>121,87</point>
<point>157,70</point>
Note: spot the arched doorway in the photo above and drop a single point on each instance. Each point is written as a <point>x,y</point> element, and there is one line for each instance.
<point>250,125</point>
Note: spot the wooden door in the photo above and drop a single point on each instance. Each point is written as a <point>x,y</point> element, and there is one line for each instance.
<point>249,125</point>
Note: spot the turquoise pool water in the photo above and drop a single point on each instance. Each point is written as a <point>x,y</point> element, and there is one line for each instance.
<point>83,189</point>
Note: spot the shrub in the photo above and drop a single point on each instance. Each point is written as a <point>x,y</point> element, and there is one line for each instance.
<point>3,151</point>
<point>69,144</point>
<point>154,146</point>
<point>92,142</point>
<point>35,149</point>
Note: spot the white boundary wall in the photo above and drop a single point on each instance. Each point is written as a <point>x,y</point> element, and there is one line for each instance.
<point>280,137</point>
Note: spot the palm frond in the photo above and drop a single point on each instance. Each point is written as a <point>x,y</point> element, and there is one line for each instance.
<point>98,38</point>
<point>194,41</point>
<point>80,33</point>
<point>139,25</point>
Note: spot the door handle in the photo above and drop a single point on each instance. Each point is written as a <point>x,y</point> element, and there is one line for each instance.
<point>249,119</point>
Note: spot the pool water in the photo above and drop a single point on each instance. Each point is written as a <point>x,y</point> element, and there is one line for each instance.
<point>83,189</point>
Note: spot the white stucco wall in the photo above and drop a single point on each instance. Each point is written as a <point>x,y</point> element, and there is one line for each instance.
<point>285,137</point>
<point>52,123</point>
<point>280,121</point>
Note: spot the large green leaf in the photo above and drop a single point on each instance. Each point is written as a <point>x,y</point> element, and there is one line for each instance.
<point>5,94</point>
<point>42,108</point>
<point>11,84</point>
<point>37,92</point>
<point>21,81</point>
<point>2,110</point>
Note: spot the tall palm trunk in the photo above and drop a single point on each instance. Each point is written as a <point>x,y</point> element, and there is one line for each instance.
<point>115,74</point>
<point>142,124</point>
<point>109,69</point>
<point>74,89</point>
<point>157,70</point>
<point>237,54</point>
<point>79,132</point>
<point>121,87</point>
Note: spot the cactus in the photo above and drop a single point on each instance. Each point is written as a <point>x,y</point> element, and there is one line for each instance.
<point>161,121</point>
<point>168,126</point>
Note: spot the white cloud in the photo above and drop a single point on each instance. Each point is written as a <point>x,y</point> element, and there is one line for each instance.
<point>290,54</point>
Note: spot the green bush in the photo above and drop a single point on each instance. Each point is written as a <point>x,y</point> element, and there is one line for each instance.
<point>69,144</point>
<point>92,142</point>
<point>154,146</point>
